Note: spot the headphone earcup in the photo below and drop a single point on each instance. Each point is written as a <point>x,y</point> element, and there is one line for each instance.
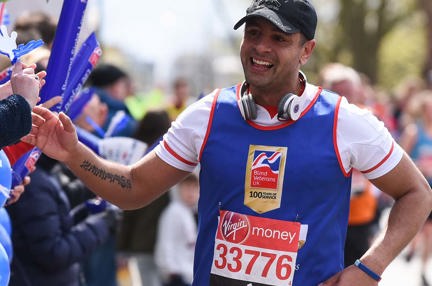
<point>289,107</point>
<point>248,107</point>
<point>295,108</point>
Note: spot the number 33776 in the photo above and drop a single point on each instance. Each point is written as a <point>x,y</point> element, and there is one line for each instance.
<point>267,264</point>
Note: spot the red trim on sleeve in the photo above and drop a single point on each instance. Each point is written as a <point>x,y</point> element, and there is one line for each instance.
<point>336,147</point>
<point>382,161</point>
<point>209,124</point>
<point>177,156</point>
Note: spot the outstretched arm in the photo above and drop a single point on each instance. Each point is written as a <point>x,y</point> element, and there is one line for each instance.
<point>128,187</point>
<point>413,203</point>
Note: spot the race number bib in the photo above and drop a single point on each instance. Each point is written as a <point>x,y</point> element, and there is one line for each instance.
<point>254,250</point>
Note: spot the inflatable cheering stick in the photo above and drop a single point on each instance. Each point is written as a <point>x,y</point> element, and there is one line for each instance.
<point>5,178</point>
<point>9,48</point>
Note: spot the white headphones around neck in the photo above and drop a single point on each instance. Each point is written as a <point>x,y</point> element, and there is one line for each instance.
<point>289,107</point>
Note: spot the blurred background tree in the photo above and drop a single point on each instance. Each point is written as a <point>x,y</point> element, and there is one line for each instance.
<point>387,40</point>
<point>426,6</point>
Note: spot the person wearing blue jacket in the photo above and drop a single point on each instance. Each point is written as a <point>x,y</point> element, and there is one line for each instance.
<point>113,85</point>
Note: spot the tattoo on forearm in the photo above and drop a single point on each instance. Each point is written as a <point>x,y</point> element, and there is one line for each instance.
<point>124,182</point>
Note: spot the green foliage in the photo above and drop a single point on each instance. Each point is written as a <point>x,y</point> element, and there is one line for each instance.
<point>402,52</point>
<point>385,39</point>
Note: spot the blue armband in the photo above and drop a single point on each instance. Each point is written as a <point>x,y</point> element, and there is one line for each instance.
<point>367,270</point>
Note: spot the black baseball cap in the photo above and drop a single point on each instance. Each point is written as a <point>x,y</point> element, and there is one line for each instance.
<point>105,74</point>
<point>291,16</point>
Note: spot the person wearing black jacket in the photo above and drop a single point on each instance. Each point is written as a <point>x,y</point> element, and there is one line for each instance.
<point>17,97</point>
<point>49,238</point>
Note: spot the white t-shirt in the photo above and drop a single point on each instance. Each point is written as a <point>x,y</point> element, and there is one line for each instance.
<point>363,142</point>
<point>175,243</point>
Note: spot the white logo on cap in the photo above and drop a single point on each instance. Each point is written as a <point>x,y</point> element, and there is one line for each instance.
<point>272,4</point>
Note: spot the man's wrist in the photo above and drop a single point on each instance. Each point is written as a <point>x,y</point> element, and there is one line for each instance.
<point>372,274</point>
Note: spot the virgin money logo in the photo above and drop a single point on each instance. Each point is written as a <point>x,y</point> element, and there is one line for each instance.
<point>235,227</point>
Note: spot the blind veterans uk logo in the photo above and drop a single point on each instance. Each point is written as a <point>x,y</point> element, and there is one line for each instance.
<point>264,177</point>
<point>265,169</point>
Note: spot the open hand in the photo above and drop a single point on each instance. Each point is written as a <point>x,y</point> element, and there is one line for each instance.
<point>17,191</point>
<point>54,134</point>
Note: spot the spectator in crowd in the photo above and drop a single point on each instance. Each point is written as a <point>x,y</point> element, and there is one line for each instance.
<point>403,95</point>
<point>100,266</point>
<point>177,233</point>
<point>32,25</point>
<point>346,81</point>
<point>94,114</point>
<point>50,239</point>
<point>180,98</point>
<point>17,98</point>
<point>416,139</point>
<point>137,234</point>
<point>113,85</point>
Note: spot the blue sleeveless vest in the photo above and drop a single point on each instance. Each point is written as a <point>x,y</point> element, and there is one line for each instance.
<point>315,191</point>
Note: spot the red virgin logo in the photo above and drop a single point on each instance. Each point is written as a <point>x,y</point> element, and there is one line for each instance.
<point>235,227</point>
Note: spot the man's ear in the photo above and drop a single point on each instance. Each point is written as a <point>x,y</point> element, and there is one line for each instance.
<point>308,48</point>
